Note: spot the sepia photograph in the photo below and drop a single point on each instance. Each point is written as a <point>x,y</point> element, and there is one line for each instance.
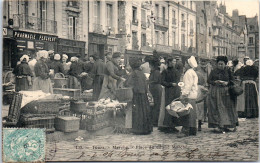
<point>130,80</point>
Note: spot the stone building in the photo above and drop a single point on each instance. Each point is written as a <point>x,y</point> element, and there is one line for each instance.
<point>253,37</point>
<point>43,25</point>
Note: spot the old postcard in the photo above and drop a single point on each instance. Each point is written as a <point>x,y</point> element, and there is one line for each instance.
<point>130,80</point>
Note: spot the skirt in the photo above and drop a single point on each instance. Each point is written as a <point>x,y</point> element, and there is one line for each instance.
<point>42,84</point>
<point>247,103</point>
<point>21,84</point>
<point>141,115</point>
<point>221,108</point>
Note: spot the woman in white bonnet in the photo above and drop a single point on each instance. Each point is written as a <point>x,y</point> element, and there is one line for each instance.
<point>189,94</point>
<point>23,75</point>
<point>248,102</point>
<point>66,65</point>
<point>42,72</point>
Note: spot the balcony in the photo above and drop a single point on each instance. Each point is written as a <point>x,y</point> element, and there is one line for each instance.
<point>183,24</point>
<point>143,24</point>
<point>30,23</point>
<point>135,22</point>
<point>97,28</point>
<point>161,22</point>
<point>251,44</point>
<point>174,21</point>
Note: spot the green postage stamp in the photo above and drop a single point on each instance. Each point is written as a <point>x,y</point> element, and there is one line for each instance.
<point>23,144</point>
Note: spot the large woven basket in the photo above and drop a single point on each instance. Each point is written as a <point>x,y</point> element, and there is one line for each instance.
<point>124,94</point>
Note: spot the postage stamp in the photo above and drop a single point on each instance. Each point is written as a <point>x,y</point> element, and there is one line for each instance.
<point>23,144</point>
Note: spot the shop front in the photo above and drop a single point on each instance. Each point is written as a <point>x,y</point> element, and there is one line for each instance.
<point>27,43</point>
<point>71,47</point>
<point>97,44</point>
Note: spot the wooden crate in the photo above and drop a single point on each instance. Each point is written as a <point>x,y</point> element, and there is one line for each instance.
<point>14,108</point>
<point>74,93</point>
<point>67,123</point>
<point>37,121</point>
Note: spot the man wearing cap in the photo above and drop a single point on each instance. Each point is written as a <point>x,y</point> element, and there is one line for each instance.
<point>42,72</point>
<point>189,94</point>
<point>110,78</point>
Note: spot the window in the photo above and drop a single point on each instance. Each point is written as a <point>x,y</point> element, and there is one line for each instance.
<point>191,42</point>
<point>251,27</point>
<point>109,15</point>
<point>157,37</point>
<point>163,38</point>
<point>191,5</point>
<point>97,12</point>
<point>183,39</point>
<point>43,14</point>
<point>134,41</point>
<point>134,14</point>
<point>173,39</point>
<point>173,14</point>
<point>157,10</point>
<point>251,40</point>
<point>143,17</point>
<point>73,3</point>
<point>73,25</point>
<point>143,39</point>
<point>163,15</point>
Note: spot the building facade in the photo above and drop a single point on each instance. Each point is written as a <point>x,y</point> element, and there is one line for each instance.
<point>253,37</point>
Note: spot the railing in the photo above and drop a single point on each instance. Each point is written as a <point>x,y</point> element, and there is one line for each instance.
<point>251,44</point>
<point>173,21</point>
<point>162,22</point>
<point>26,22</point>
<point>143,24</point>
<point>135,22</point>
<point>183,24</point>
<point>97,28</point>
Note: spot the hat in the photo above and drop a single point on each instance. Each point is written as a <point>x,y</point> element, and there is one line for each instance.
<point>26,57</point>
<point>57,57</point>
<point>230,64</point>
<point>249,62</point>
<point>50,51</point>
<point>42,54</point>
<point>135,62</point>
<point>116,55</point>
<point>73,59</point>
<point>65,56</point>
<point>162,60</point>
<point>192,62</point>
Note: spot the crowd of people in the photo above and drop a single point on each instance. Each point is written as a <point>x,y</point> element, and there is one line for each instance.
<point>158,78</point>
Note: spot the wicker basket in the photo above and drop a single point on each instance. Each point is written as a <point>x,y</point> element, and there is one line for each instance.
<point>78,107</point>
<point>46,106</point>
<point>124,94</point>
<point>67,123</point>
<point>38,121</point>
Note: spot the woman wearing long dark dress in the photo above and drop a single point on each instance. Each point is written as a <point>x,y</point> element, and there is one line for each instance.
<point>248,101</point>
<point>155,88</point>
<point>23,75</point>
<point>141,113</point>
<point>222,112</point>
<point>170,79</point>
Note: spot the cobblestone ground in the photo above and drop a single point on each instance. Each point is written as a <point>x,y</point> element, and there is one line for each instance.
<point>241,145</point>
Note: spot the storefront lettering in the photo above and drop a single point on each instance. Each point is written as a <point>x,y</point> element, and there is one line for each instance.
<point>34,36</point>
<point>25,35</point>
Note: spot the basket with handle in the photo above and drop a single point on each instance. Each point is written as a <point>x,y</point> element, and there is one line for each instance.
<point>60,81</point>
<point>178,109</point>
